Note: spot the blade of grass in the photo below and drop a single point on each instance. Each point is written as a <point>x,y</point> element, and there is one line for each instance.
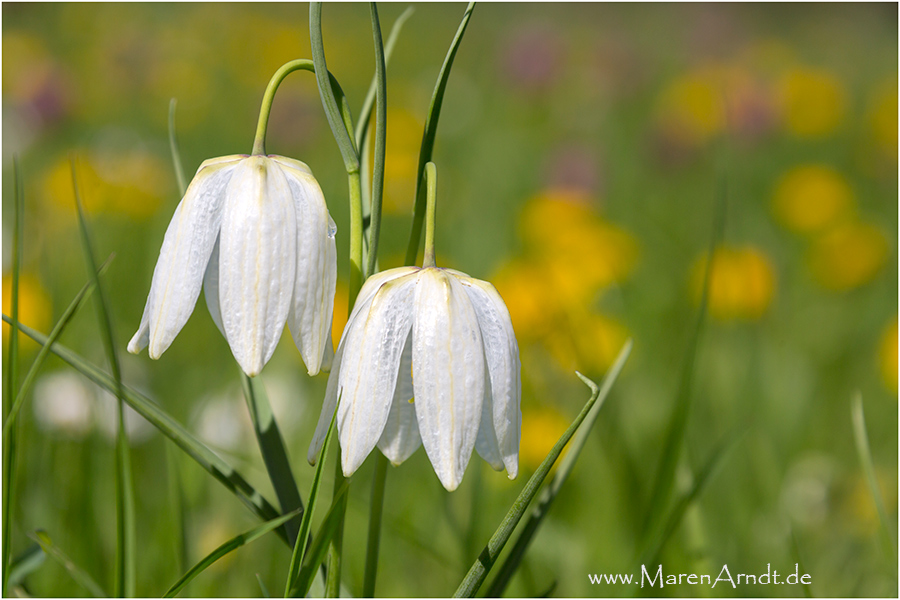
<point>551,491</point>
<point>80,576</point>
<point>176,506</point>
<point>262,587</point>
<point>229,546</point>
<point>861,437</point>
<point>380,138</point>
<point>125,539</point>
<point>12,369</point>
<point>374,539</point>
<point>57,330</point>
<point>316,553</point>
<point>795,550</point>
<point>172,429</point>
<point>427,147</point>
<point>365,114</point>
<point>274,454</point>
<point>173,148</point>
<point>482,565</point>
<point>671,452</point>
<point>650,555</point>
<point>25,564</point>
<point>301,543</point>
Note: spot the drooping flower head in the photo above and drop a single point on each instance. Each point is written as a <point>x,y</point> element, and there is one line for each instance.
<point>255,233</point>
<point>428,357</point>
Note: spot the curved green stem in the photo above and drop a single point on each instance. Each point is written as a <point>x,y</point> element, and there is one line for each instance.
<point>380,139</point>
<point>259,141</point>
<point>431,186</point>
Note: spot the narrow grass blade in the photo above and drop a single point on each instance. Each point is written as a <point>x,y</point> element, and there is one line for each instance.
<point>80,576</point>
<point>12,369</point>
<point>650,555</point>
<point>431,123</point>
<point>671,451</point>
<point>125,540</point>
<point>262,587</point>
<point>274,454</point>
<point>482,566</point>
<point>25,564</point>
<point>169,427</point>
<point>301,543</point>
<point>795,550</point>
<point>861,437</point>
<point>550,492</point>
<point>316,553</point>
<point>380,139</point>
<point>57,330</point>
<point>374,539</point>
<point>229,546</point>
<point>176,507</point>
<point>173,148</point>
<point>365,114</point>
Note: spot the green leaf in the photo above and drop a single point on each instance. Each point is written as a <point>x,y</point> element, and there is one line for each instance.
<point>12,369</point>
<point>427,147</point>
<point>550,492</point>
<point>25,564</point>
<point>125,538</point>
<point>380,139</point>
<point>275,457</point>
<point>173,148</point>
<point>479,570</point>
<point>306,523</point>
<point>169,427</point>
<point>229,546</point>
<point>374,539</point>
<point>262,587</point>
<point>861,437</point>
<point>671,452</point>
<point>80,576</point>
<point>316,553</point>
<point>55,333</point>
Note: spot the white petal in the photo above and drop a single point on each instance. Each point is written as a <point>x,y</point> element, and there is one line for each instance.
<point>313,300</point>
<point>361,307</point>
<point>184,255</point>
<point>369,369</point>
<point>502,355</point>
<point>257,258</point>
<point>142,335</point>
<point>486,443</point>
<point>211,288</point>
<point>448,373</point>
<point>400,437</point>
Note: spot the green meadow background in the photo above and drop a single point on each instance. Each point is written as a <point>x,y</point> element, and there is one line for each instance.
<point>580,151</point>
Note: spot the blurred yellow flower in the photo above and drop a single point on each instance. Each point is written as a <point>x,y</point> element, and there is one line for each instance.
<point>810,197</point>
<point>742,283</point>
<point>883,118</point>
<point>34,303</point>
<point>541,429</point>
<point>887,353</point>
<point>130,184</point>
<point>813,100</point>
<point>861,504</point>
<point>339,318</point>
<point>848,255</point>
<point>401,157</point>
<point>587,342</point>
<point>527,296</point>
<point>692,106</point>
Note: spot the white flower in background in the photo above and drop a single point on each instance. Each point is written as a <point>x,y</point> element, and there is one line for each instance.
<point>255,232</point>
<point>63,404</point>
<point>428,357</point>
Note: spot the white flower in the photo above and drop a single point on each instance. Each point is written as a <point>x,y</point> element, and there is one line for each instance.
<point>428,356</point>
<point>254,231</point>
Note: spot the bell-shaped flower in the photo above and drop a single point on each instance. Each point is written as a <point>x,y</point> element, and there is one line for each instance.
<point>428,357</point>
<point>255,233</point>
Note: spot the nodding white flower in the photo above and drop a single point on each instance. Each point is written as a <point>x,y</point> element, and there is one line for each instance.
<point>428,357</point>
<point>255,232</point>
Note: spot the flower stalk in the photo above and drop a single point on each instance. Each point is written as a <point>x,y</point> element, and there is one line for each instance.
<point>431,195</point>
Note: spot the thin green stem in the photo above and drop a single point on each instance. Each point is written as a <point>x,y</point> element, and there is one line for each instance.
<point>375,510</point>
<point>259,141</point>
<point>173,148</point>
<point>431,186</point>
<point>380,140</point>
<point>9,440</point>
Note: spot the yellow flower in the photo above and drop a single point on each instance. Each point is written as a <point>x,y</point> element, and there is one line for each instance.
<point>541,429</point>
<point>883,118</point>
<point>34,304</point>
<point>527,296</point>
<point>742,283</point>
<point>692,108</point>
<point>847,256</point>
<point>400,161</point>
<point>813,100</point>
<point>810,197</point>
<point>587,341</point>
<point>887,353</point>
<point>339,319</point>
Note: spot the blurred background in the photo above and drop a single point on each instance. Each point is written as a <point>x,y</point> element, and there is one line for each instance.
<point>580,151</point>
